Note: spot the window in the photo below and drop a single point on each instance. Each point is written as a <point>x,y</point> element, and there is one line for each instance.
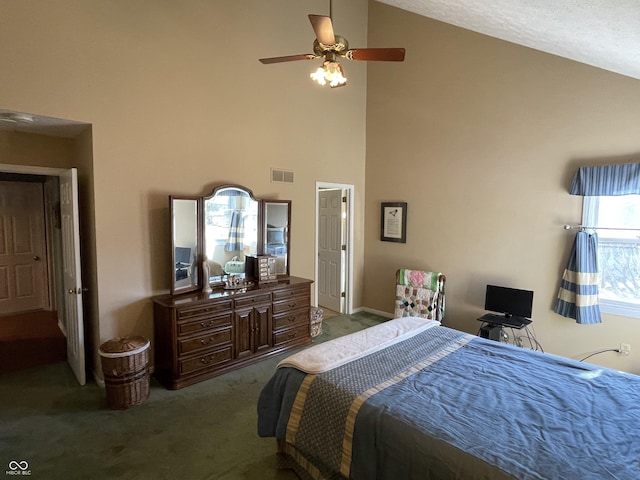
<point>618,219</point>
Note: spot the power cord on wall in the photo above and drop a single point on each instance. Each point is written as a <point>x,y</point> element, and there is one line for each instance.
<point>530,338</point>
<point>617,350</point>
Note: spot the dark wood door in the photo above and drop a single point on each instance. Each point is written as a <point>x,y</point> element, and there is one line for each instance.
<point>243,333</point>
<point>253,330</point>
<point>263,329</point>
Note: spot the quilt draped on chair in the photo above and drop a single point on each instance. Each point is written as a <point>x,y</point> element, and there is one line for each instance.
<point>419,294</point>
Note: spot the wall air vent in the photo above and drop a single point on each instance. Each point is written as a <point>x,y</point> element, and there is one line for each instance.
<point>281,176</point>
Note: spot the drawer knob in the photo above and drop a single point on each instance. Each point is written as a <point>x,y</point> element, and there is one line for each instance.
<point>206,324</point>
<point>292,335</point>
<point>206,341</point>
<point>206,360</point>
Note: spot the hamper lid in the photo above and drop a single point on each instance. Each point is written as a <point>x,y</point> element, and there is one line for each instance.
<point>123,346</point>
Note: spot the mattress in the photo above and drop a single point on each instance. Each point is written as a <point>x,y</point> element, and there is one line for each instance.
<point>438,403</point>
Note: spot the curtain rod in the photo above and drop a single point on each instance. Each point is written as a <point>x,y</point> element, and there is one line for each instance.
<point>576,227</point>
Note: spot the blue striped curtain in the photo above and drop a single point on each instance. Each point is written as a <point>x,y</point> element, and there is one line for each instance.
<point>578,295</point>
<point>607,180</point>
<point>235,240</point>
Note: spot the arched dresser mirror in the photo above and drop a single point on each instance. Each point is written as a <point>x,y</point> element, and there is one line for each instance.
<point>231,230</point>
<point>225,227</point>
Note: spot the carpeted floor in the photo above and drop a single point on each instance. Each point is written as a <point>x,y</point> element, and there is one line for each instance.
<point>205,431</point>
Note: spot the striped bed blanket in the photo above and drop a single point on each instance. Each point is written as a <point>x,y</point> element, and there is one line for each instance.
<point>445,404</point>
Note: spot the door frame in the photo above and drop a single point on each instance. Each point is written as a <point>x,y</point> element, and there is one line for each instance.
<point>49,172</point>
<point>347,267</point>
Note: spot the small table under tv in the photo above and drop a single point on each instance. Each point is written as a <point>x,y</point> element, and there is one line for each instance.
<point>505,320</point>
<point>493,325</point>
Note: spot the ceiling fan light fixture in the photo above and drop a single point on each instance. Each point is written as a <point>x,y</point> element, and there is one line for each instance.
<point>330,72</point>
<point>329,46</point>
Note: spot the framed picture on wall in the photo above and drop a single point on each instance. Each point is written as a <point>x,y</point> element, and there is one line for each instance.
<point>393,223</point>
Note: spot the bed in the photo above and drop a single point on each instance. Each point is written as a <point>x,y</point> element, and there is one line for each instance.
<point>412,399</point>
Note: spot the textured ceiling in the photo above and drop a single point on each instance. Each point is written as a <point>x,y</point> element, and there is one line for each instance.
<point>602,33</point>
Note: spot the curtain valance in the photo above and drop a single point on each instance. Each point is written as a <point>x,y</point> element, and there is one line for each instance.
<point>607,180</point>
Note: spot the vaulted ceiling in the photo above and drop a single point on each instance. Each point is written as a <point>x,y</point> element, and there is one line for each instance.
<point>601,33</point>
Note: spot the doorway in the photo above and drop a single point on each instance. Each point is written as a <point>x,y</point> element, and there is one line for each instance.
<point>30,334</point>
<point>334,240</point>
<point>53,324</point>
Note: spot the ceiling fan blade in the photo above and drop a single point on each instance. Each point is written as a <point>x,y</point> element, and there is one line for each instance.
<point>376,54</point>
<point>289,58</point>
<point>323,29</point>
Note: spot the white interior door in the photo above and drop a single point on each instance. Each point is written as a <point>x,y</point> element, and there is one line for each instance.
<point>23,261</point>
<point>71,275</point>
<point>330,241</point>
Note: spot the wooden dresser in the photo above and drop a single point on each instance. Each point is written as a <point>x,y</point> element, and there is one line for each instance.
<point>199,336</point>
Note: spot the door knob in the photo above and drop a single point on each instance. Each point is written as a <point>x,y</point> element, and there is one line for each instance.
<point>36,258</point>
<point>78,291</point>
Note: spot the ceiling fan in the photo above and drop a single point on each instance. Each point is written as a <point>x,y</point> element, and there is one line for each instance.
<point>332,47</point>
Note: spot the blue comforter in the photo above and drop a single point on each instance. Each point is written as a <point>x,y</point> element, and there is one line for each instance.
<point>444,404</point>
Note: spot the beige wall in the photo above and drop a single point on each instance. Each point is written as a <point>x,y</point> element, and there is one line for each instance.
<point>178,103</point>
<point>25,149</point>
<point>482,137</point>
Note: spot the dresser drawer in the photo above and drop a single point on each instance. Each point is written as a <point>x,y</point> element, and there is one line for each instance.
<point>218,338</point>
<point>255,300</point>
<point>206,360</point>
<point>205,323</point>
<point>292,335</point>
<point>292,303</point>
<point>203,311</point>
<point>291,319</point>
<point>290,292</point>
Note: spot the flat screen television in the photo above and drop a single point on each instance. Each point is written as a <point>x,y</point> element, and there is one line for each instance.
<point>509,301</point>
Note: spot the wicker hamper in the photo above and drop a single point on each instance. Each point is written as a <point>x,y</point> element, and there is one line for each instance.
<point>125,365</point>
<point>316,321</point>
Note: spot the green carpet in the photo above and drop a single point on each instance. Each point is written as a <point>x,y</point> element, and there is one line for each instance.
<point>205,431</point>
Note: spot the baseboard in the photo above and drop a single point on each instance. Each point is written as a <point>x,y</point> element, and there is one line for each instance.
<point>374,311</point>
